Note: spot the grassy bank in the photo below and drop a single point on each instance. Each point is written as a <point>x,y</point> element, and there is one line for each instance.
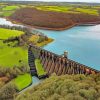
<point>7,33</point>
<point>11,55</point>
<point>65,87</point>
<point>22,81</point>
<point>39,68</point>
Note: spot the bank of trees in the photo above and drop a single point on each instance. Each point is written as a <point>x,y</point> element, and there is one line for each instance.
<point>8,91</point>
<point>67,87</point>
<point>13,72</point>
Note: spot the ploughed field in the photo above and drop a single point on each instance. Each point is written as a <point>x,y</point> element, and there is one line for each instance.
<point>53,18</point>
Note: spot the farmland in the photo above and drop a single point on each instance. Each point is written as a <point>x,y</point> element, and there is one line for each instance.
<point>69,9</point>
<point>6,10</point>
<point>14,57</point>
<point>15,43</point>
<point>9,55</point>
<point>6,33</point>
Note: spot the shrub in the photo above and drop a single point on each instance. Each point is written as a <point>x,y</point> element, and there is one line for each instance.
<point>65,87</point>
<point>8,91</point>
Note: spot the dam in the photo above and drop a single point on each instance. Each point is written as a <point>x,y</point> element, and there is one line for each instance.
<point>53,63</point>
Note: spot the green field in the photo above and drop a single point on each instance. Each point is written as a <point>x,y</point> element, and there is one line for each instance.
<point>11,56</point>
<point>88,11</point>
<point>7,33</point>
<point>7,8</point>
<point>22,81</point>
<point>6,13</point>
<point>54,8</point>
<point>39,68</point>
<point>70,9</point>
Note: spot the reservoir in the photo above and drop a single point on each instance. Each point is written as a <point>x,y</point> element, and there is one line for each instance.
<point>81,42</point>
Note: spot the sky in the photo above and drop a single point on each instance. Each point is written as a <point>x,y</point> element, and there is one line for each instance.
<point>98,1</point>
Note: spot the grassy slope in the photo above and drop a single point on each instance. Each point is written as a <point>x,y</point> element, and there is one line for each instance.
<point>6,10</point>
<point>22,81</point>
<point>67,87</point>
<point>39,68</point>
<point>54,8</point>
<point>10,8</point>
<point>7,33</point>
<point>10,56</point>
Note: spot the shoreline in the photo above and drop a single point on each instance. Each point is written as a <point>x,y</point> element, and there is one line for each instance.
<point>39,27</point>
<point>54,29</point>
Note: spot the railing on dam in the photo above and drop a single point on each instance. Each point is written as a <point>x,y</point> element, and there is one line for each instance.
<point>58,64</point>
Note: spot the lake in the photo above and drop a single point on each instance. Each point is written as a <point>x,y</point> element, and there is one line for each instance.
<point>82,43</point>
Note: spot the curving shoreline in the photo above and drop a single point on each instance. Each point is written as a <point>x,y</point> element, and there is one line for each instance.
<point>54,29</point>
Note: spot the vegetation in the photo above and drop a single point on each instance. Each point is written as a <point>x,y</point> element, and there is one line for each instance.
<point>22,81</point>
<point>66,87</point>
<point>39,68</point>
<point>6,13</point>
<point>7,8</point>
<point>88,11</point>
<point>54,8</point>
<point>69,9</point>
<point>8,91</point>
<point>14,67</point>
<point>13,59</point>
<point>7,33</point>
<point>40,40</point>
<point>11,55</point>
<point>13,80</point>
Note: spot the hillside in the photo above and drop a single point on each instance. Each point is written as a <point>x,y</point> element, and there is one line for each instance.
<point>67,87</point>
<point>53,19</point>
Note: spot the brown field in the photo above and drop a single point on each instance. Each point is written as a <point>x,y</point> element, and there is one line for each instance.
<point>51,20</point>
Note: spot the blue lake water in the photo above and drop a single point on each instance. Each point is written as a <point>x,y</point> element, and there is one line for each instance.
<point>82,43</point>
